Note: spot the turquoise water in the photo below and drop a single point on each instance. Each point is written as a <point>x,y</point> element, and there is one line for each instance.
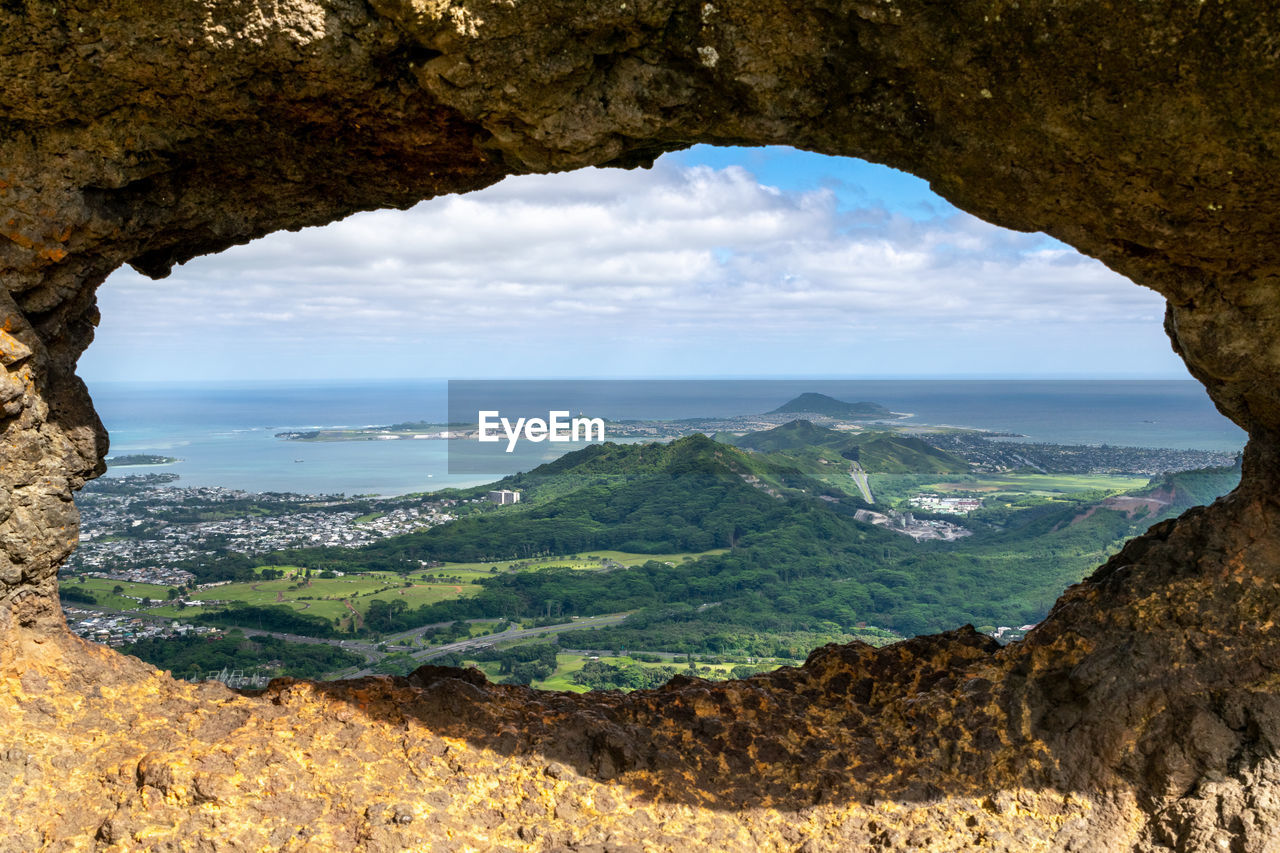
<point>225,433</point>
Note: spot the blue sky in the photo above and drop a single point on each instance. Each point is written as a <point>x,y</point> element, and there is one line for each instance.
<point>717,262</point>
<point>856,183</point>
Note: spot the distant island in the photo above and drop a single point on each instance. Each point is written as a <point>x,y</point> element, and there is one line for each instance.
<point>815,405</point>
<point>811,403</point>
<point>407,429</point>
<point>133,460</point>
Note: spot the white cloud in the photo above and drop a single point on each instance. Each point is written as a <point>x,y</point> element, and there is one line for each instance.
<point>712,264</point>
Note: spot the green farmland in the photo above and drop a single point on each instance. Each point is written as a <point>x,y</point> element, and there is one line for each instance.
<point>328,598</point>
<point>1044,485</point>
<point>892,488</point>
<point>586,561</point>
<point>335,598</point>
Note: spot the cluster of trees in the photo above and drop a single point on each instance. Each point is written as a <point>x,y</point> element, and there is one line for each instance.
<point>195,656</point>
<point>444,634</point>
<point>523,664</point>
<point>334,559</point>
<point>282,620</point>
<point>77,596</point>
<point>397,663</point>
<point>387,617</point>
<point>216,564</point>
<point>599,675</point>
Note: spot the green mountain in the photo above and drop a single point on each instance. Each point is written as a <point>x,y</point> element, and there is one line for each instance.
<point>793,435</point>
<point>693,494</point>
<point>1184,489</point>
<point>610,463</point>
<point>820,404</point>
<point>885,453</point>
<point>818,451</point>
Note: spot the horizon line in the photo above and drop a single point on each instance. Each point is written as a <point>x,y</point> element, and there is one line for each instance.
<point>350,380</point>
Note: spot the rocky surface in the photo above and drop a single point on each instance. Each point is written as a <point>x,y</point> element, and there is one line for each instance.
<point>1141,715</point>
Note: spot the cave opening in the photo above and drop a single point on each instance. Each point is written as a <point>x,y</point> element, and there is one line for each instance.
<point>765,264</point>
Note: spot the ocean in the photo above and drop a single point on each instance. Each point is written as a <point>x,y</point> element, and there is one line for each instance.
<point>224,433</point>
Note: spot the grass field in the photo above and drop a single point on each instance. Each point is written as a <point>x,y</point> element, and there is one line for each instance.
<point>1046,485</point>
<point>102,590</point>
<point>587,560</point>
<point>326,597</point>
<point>568,664</point>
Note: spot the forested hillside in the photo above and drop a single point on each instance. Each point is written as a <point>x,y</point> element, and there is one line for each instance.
<point>804,443</point>
<point>797,568</point>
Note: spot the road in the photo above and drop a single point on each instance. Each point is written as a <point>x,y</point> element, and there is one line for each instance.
<point>513,633</point>
<point>860,477</point>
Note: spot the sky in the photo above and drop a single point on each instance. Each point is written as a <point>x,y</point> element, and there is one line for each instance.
<point>714,263</point>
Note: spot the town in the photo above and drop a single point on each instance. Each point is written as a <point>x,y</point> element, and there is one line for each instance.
<point>137,528</point>
<point>987,453</point>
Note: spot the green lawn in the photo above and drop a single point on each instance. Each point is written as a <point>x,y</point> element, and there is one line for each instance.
<point>285,569</point>
<point>1036,484</point>
<point>324,597</point>
<point>587,560</point>
<point>102,590</point>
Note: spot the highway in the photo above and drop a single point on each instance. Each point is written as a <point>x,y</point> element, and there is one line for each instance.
<point>400,642</point>
<point>860,477</point>
<point>512,633</point>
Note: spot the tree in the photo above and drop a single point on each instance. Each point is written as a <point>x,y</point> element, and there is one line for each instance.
<point>117,590</point>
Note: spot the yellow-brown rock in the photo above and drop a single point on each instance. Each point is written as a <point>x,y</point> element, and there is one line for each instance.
<point>1143,714</point>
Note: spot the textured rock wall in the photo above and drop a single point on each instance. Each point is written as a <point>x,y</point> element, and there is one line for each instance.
<point>1141,715</point>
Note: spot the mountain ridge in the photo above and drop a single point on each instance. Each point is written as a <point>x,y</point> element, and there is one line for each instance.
<point>803,443</point>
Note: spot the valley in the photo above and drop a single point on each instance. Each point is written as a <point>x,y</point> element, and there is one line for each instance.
<point>743,550</point>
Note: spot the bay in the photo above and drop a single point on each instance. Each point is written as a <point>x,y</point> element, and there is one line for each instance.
<point>225,432</point>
